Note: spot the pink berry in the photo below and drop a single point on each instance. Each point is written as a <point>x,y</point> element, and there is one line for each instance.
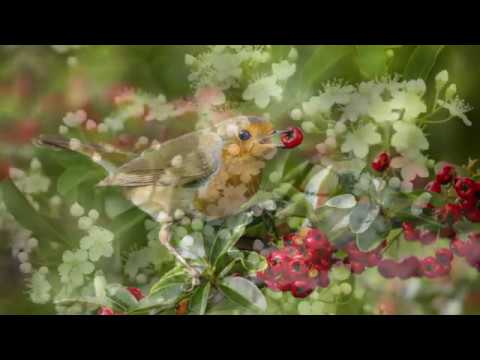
<point>430,267</point>
<point>388,268</point>
<point>466,188</point>
<point>105,311</point>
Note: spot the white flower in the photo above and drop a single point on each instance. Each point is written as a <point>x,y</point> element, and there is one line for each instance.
<point>283,70</point>
<point>77,210</point>
<point>333,93</point>
<point>358,106</point>
<point>410,168</point>
<point>450,92</point>
<point>457,108</point>
<point>75,119</point>
<point>74,267</point>
<point>39,288</point>
<point>360,140</point>
<point>296,114</point>
<point>382,111</point>
<point>408,139</point>
<point>98,243</point>
<point>115,124</point>
<point>262,90</point>
<point>410,102</point>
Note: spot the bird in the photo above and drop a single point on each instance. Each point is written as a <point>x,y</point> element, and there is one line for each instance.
<point>210,172</point>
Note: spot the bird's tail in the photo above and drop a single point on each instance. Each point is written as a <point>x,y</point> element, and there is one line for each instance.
<point>105,155</point>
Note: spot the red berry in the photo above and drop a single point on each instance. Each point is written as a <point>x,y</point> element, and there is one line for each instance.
<point>356,267</point>
<point>105,311</point>
<point>409,232</point>
<point>458,247</point>
<point>473,215</point>
<point>431,267</point>
<point>434,186</point>
<point>381,162</point>
<point>388,268</point>
<point>316,240</point>
<point>373,259</point>
<point>297,267</point>
<point>302,288</point>
<point>277,260</point>
<point>427,237</point>
<point>444,256</point>
<point>466,188</point>
<point>292,137</point>
<point>445,175</point>
<point>449,213</point>
<point>136,292</point>
<point>408,268</point>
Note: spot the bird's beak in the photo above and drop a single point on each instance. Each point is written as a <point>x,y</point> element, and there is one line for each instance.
<point>274,138</point>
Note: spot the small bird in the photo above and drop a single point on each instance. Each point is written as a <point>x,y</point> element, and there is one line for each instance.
<point>210,172</point>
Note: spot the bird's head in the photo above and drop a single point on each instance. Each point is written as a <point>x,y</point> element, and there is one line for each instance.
<point>251,136</point>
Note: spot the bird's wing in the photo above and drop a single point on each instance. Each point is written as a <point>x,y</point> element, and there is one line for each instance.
<point>187,159</point>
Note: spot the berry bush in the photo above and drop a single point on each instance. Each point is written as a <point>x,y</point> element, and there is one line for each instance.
<point>367,202</point>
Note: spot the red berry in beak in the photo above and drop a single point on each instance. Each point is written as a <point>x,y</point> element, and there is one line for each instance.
<point>291,138</point>
<point>381,162</point>
<point>136,292</point>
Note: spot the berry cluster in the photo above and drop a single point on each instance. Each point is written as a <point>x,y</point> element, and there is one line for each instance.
<point>359,260</point>
<point>302,265</point>
<point>467,202</point>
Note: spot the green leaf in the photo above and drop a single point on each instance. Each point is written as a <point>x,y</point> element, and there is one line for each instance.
<point>236,226</point>
<point>371,60</point>
<point>74,176</point>
<point>393,234</point>
<point>27,216</point>
<point>362,216</point>
<point>346,201</point>
<point>121,297</point>
<point>167,296</point>
<point>324,57</point>
<point>421,61</point>
<point>199,302</point>
<point>243,292</point>
<point>374,235</point>
<point>175,276</point>
<point>127,220</point>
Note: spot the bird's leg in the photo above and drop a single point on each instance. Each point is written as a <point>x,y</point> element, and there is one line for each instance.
<point>165,235</point>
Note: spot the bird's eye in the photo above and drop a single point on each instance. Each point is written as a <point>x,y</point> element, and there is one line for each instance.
<point>244,135</point>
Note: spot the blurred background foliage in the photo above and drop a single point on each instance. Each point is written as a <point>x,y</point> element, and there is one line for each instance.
<point>39,85</point>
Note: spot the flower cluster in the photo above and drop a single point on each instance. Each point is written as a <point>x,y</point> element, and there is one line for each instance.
<point>241,67</point>
<point>386,115</point>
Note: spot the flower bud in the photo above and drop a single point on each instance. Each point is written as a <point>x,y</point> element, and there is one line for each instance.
<point>441,79</point>
<point>450,92</point>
